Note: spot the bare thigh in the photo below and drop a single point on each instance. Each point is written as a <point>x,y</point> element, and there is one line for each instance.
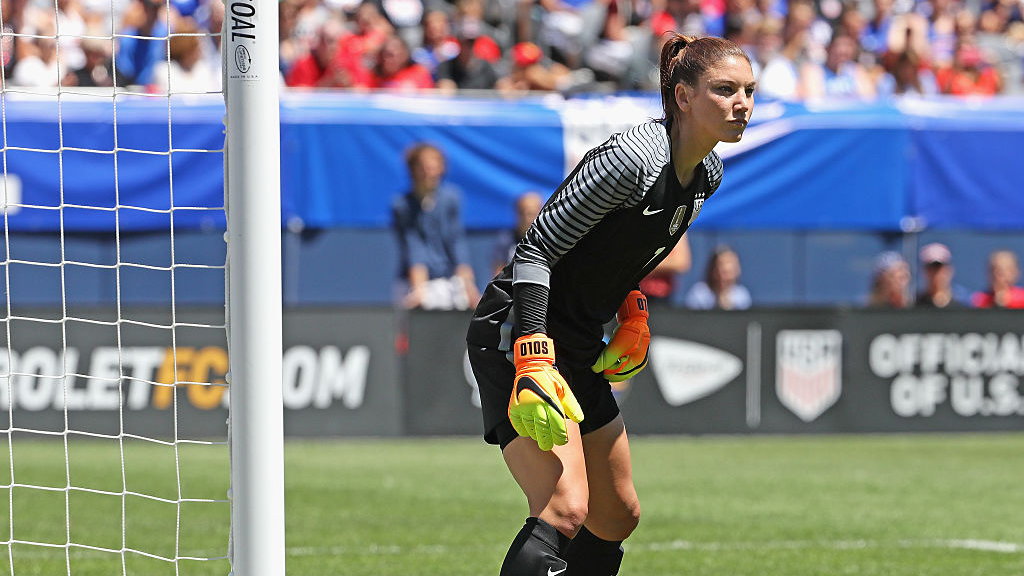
<point>614,509</point>
<point>554,482</point>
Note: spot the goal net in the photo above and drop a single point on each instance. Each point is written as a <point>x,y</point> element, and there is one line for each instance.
<point>114,451</point>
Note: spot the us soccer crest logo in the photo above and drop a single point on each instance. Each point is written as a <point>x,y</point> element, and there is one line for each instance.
<point>808,371</point>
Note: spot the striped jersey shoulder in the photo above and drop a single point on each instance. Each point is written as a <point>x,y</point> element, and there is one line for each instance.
<point>713,167</point>
<point>647,146</point>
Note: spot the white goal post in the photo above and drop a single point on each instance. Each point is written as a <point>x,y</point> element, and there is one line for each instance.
<point>126,317</point>
<point>253,206</point>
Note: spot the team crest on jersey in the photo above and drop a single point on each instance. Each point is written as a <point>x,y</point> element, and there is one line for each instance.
<point>697,204</point>
<point>677,220</point>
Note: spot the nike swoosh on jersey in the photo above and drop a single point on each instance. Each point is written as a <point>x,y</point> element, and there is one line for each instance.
<point>528,383</point>
<point>550,573</point>
<point>649,212</point>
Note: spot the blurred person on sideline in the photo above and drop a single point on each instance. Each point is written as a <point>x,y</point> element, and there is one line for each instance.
<point>434,269</point>
<point>527,207</point>
<point>608,224</point>
<point>720,289</point>
<point>890,283</point>
<point>660,285</point>
<point>1003,274</point>
<point>939,290</point>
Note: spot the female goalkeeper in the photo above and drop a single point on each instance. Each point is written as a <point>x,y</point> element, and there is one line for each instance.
<point>612,220</point>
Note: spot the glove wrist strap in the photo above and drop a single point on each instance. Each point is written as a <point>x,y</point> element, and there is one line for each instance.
<point>633,307</point>
<point>534,348</point>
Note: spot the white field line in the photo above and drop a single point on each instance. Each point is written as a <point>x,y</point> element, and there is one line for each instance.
<point>675,545</point>
<point>993,546</point>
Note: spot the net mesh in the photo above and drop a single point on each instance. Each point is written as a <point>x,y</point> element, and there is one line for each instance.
<point>113,452</point>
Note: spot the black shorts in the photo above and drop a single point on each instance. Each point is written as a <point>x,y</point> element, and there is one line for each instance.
<point>495,373</point>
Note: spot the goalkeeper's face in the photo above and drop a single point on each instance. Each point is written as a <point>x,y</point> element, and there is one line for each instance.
<point>723,99</point>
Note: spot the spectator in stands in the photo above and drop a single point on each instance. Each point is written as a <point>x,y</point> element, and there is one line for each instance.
<point>406,17</point>
<point>142,42</point>
<point>940,16</point>
<point>874,37</point>
<point>98,70</point>
<point>395,69</point>
<point>994,38</point>
<point>372,29</point>
<point>612,55</point>
<point>527,207</point>
<point>1003,274</point>
<point>660,285</point>
<point>720,289</point>
<point>434,265</point>
<point>683,16</point>
<point>186,70</point>
<point>906,73</point>
<point>72,23</point>
<point>890,284</point>
<point>467,70</point>
<point>568,27</point>
<point>939,290</point>
<point>16,22</point>
<point>38,64</point>
<point>209,15</point>
<point>471,15</point>
<point>326,65</point>
<point>970,73</point>
<point>906,69</point>
<point>781,48</point>
<point>439,44</point>
<point>532,71</point>
<point>840,76</point>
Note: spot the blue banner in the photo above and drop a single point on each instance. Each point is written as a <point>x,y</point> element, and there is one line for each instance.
<point>141,164</point>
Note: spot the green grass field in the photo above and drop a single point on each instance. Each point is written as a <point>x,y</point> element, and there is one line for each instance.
<point>925,505</point>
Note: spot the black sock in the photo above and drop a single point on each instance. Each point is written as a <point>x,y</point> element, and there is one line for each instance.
<point>588,555</point>
<point>536,551</point>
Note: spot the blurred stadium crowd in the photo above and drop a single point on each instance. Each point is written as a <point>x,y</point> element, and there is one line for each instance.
<point>801,49</point>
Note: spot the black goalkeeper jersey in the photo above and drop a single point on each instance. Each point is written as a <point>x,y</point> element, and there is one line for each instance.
<point>611,221</point>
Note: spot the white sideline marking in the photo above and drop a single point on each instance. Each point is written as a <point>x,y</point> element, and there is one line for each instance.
<point>440,549</point>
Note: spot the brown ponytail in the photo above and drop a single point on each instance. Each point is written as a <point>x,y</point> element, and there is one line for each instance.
<point>685,59</point>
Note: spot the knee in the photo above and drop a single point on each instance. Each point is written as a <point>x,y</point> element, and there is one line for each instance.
<point>618,524</point>
<point>568,516</point>
<point>630,517</point>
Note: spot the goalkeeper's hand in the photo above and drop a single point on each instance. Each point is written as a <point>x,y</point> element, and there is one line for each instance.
<point>626,353</point>
<point>541,399</point>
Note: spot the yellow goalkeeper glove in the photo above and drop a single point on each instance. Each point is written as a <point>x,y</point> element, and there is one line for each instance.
<point>626,353</point>
<point>541,399</point>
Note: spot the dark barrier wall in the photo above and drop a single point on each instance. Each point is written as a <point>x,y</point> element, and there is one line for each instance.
<point>340,373</point>
<point>771,371</point>
<point>779,371</point>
